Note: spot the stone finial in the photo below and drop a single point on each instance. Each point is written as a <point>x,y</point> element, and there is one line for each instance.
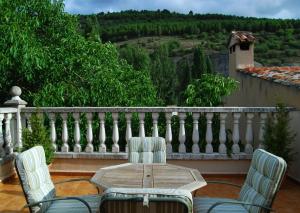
<point>15,92</point>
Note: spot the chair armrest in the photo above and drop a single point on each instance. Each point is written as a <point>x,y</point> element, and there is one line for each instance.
<point>238,203</point>
<point>223,182</point>
<point>60,198</point>
<point>77,179</point>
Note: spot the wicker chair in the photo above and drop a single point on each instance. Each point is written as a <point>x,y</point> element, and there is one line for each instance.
<point>147,150</point>
<point>258,192</point>
<point>39,189</point>
<point>146,200</point>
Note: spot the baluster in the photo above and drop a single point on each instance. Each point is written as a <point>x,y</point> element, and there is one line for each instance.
<point>168,137</point>
<point>28,117</point>
<point>65,136</point>
<point>102,134</point>
<point>128,117</point>
<point>89,134</point>
<point>155,116</point>
<point>182,136</point>
<point>77,146</point>
<point>209,136</point>
<point>195,136</point>
<point>236,133</point>
<point>53,131</point>
<point>142,126</point>
<point>115,137</point>
<point>263,117</point>
<point>249,134</point>
<point>222,134</point>
<point>8,139</point>
<point>2,151</point>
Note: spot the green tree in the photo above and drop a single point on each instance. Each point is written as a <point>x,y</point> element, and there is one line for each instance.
<point>184,78</point>
<point>209,90</point>
<point>136,56</point>
<point>199,63</point>
<point>163,73</point>
<point>42,51</point>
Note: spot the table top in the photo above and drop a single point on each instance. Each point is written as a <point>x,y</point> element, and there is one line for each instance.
<point>166,176</point>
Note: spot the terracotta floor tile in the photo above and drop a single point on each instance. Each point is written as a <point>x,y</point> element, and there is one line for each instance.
<point>12,199</point>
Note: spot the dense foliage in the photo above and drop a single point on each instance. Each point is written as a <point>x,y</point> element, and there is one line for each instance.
<point>209,90</point>
<point>42,51</point>
<point>38,135</point>
<point>130,24</point>
<point>278,137</point>
<point>277,39</point>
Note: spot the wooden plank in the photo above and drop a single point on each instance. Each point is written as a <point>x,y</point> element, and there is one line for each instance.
<point>148,176</point>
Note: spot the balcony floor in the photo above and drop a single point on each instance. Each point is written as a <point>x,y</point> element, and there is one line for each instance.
<point>12,198</point>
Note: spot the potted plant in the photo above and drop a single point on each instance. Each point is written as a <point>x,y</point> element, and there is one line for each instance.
<point>38,135</point>
<point>278,136</point>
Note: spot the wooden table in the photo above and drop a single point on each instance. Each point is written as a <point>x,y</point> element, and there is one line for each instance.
<point>130,175</point>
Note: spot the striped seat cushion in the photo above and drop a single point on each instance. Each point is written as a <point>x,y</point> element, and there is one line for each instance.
<point>201,205</point>
<point>70,206</point>
<point>147,150</point>
<point>125,200</point>
<point>263,179</point>
<point>35,178</point>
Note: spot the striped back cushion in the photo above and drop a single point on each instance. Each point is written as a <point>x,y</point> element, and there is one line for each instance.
<point>147,200</point>
<point>35,178</point>
<point>147,150</point>
<point>263,179</point>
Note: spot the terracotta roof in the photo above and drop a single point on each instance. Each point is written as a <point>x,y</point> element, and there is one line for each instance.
<point>241,36</point>
<point>289,76</point>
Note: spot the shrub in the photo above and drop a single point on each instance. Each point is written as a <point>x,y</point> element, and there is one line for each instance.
<point>38,135</point>
<point>278,137</point>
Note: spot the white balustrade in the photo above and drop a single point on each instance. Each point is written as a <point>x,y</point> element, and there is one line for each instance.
<point>209,135</point>
<point>2,151</point>
<point>102,134</point>
<point>168,136</point>
<point>128,117</point>
<point>155,116</point>
<point>53,136</point>
<point>182,136</point>
<point>142,125</point>
<point>195,136</point>
<point>222,134</point>
<point>263,117</point>
<point>8,139</point>
<point>236,133</point>
<point>65,135</point>
<point>115,137</point>
<point>182,113</point>
<point>13,123</point>
<point>77,146</point>
<point>249,134</point>
<point>89,133</point>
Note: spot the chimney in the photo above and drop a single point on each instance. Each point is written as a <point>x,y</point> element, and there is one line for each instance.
<point>241,50</point>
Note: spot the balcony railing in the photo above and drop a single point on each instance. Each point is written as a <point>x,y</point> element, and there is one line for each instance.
<point>190,132</point>
<point>228,118</point>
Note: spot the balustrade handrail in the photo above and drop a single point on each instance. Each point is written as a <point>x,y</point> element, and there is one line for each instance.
<point>8,110</point>
<point>152,109</point>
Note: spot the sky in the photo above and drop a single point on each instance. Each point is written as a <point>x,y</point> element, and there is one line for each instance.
<point>254,8</point>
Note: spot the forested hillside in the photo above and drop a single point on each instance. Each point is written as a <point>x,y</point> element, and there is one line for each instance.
<point>278,41</point>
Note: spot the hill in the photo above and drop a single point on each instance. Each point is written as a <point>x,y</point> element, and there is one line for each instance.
<point>278,40</point>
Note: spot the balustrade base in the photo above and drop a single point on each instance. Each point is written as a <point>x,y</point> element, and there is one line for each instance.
<point>172,156</point>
